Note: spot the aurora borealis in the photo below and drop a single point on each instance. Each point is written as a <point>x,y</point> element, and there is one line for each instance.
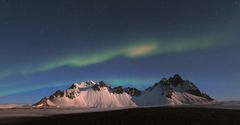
<point>47,45</point>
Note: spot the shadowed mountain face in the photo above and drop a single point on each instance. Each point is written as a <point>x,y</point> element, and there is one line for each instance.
<point>171,91</point>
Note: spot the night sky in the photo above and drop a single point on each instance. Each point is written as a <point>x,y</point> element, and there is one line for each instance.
<point>47,45</point>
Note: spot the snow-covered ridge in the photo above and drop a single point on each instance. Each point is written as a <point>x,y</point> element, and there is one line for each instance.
<point>172,91</point>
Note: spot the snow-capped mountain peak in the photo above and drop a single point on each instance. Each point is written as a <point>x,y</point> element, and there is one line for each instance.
<point>89,94</point>
<point>83,85</point>
<point>173,90</point>
<point>177,84</point>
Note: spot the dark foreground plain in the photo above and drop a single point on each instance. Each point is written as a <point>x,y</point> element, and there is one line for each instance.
<point>137,116</point>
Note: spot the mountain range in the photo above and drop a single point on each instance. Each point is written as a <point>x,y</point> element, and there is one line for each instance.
<point>171,91</point>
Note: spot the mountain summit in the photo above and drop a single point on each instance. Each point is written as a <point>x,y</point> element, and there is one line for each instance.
<point>171,91</point>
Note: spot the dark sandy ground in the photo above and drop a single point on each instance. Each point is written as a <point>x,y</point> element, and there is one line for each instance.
<point>137,116</point>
